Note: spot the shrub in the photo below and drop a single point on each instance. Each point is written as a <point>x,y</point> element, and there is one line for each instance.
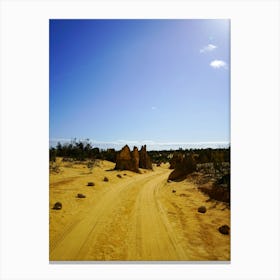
<point>54,167</point>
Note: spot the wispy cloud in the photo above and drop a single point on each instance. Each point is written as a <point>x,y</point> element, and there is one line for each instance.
<point>218,64</point>
<point>208,48</point>
<point>154,107</point>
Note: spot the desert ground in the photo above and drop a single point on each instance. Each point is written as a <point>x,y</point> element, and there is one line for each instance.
<point>132,217</point>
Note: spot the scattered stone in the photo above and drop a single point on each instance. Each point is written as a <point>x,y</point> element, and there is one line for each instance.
<point>124,174</point>
<point>173,191</point>
<point>105,179</point>
<point>57,206</point>
<point>224,229</point>
<point>80,195</point>
<point>119,175</point>
<point>201,209</point>
<point>90,184</point>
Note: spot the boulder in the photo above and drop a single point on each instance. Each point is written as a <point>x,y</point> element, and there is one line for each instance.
<point>80,195</point>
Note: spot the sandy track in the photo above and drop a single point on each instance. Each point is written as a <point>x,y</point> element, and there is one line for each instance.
<point>125,224</point>
<point>151,234</point>
<point>135,217</point>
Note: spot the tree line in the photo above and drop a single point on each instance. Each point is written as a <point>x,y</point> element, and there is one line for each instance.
<point>83,150</point>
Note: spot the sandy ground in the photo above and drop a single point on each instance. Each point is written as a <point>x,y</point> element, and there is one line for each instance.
<point>135,217</point>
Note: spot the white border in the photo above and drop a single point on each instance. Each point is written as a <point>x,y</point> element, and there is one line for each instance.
<point>254,137</point>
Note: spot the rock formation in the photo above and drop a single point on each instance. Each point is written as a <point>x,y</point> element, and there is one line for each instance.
<point>127,160</point>
<point>219,190</point>
<point>144,159</point>
<point>177,157</point>
<point>183,167</point>
<point>135,159</point>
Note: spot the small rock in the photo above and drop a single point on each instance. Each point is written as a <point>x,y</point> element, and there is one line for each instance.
<point>80,195</point>
<point>201,209</point>
<point>124,174</point>
<point>57,206</point>
<point>105,179</point>
<point>224,229</point>
<point>90,184</point>
<point>119,175</point>
<point>173,191</point>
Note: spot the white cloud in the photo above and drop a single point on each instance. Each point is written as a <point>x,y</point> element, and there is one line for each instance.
<point>218,64</point>
<point>208,48</point>
<point>154,107</point>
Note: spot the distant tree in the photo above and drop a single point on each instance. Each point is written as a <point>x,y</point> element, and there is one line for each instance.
<point>52,154</point>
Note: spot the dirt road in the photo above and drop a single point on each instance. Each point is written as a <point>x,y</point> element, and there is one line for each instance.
<point>131,220</point>
<point>128,217</point>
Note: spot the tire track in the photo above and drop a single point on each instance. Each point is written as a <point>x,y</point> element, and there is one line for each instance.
<point>151,235</point>
<point>78,239</point>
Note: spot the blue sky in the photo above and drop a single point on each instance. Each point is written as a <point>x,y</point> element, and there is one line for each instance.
<point>160,82</point>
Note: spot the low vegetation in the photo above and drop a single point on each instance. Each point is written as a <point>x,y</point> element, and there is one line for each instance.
<point>212,165</point>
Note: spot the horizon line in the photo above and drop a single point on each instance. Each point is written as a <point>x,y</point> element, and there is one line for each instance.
<point>151,145</point>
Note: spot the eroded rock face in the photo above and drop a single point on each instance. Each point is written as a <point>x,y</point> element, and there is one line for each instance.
<point>135,159</point>
<point>177,157</point>
<point>144,159</point>
<point>183,167</point>
<point>127,160</point>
